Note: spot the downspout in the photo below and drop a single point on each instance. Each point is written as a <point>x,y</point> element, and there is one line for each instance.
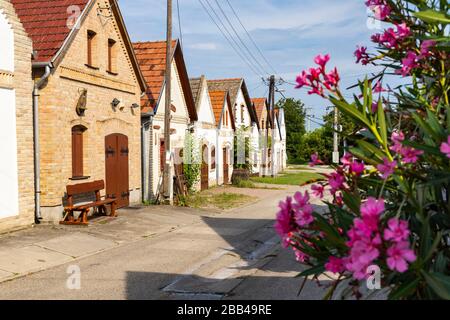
<point>219,151</point>
<point>146,146</point>
<point>37,147</point>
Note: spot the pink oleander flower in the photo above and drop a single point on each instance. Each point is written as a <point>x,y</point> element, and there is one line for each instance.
<point>284,222</point>
<point>302,209</point>
<point>315,160</point>
<point>387,168</point>
<point>445,147</point>
<point>347,159</point>
<point>332,79</point>
<point>397,138</point>
<point>374,107</point>
<point>302,80</point>
<point>336,181</point>
<point>425,48</point>
<point>322,61</point>
<point>408,64</point>
<point>362,55</point>
<point>362,254</point>
<point>399,254</point>
<point>318,190</point>
<point>300,256</point>
<point>379,87</point>
<point>397,230</point>
<point>410,155</point>
<point>357,168</point>
<point>403,30</point>
<point>335,265</point>
<point>372,207</point>
<point>392,38</point>
<point>380,8</point>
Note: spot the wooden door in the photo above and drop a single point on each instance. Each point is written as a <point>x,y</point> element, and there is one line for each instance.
<point>226,178</point>
<point>117,168</point>
<point>205,169</point>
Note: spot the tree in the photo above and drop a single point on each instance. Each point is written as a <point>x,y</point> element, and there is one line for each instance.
<point>294,111</point>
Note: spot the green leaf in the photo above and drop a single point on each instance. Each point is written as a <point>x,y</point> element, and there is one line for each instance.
<point>435,244</point>
<point>436,125</point>
<point>319,269</point>
<point>361,156</point>
<point>382,123</point>
<point>404,290</point>
<point>439,282</point>
<point>351,201</point>
<point>428,149</point>
<point>351,111</point>
<point>433,17</point>
<point>372,150</point>
<point>425,126</point>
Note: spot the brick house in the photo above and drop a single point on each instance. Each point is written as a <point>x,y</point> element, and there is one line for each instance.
<point>152,61</point>
<point>88,99</point>
<point>16,123</point>
<point>243,112</point>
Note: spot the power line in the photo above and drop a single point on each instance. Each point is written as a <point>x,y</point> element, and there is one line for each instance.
<point>227,38</point>
<point>179,23</point>
<point>240,39</point>
<point>251,38</point>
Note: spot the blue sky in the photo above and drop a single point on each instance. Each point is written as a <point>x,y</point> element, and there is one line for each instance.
<point>289,32</point>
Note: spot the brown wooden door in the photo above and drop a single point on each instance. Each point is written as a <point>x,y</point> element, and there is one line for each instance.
<point>117,169</point>
<point>205,169</point>
<point>226,178</point>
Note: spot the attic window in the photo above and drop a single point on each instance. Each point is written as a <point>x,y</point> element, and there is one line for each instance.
<point>242,113</point>
<point>91,48</point>
<point>112,56</point>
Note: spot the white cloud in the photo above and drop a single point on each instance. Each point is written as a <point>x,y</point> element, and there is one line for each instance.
<point>203,46</point>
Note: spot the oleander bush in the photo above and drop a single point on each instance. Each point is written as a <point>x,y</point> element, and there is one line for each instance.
<point>389,200</point>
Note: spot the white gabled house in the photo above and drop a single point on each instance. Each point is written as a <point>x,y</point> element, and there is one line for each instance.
<point>205,132</point>
<point>225,127</point>
<point>243,112</point>
<point>152,60</point>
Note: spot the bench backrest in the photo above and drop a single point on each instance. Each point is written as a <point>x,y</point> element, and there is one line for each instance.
<point>85,187</point>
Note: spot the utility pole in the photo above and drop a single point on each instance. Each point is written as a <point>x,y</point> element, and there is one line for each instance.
<point>336,137</point>
<point>272,108</point>
<point>167,176</point>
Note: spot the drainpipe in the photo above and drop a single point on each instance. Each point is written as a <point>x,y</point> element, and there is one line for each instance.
<point>219,151</point>
<point>146,146</point>
<point>37,147</point>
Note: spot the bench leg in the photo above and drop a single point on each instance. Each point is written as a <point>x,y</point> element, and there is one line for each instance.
<point>113,209</point>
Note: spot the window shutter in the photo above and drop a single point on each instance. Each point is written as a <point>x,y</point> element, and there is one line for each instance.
<point>77,152</point>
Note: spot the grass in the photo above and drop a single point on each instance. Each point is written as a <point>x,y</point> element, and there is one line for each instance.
<point>294,179</point>
<point>223,201</point>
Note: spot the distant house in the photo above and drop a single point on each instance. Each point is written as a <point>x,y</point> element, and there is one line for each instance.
<point>152,61</point>
<point>89,88</point>
<point>223,113</point>
<point>206,132</point>
<point>16,123</point>
<point>265,125</point>
<point>244,114</point>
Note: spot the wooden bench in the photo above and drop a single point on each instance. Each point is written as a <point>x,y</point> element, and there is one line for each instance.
<point>99,203</point>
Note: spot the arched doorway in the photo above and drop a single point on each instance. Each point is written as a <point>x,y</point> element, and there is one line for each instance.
<point>226,166</point>
<point>117,168</point>
<point>205,169</point>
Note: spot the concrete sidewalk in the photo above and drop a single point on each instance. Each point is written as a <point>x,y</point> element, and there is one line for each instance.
<point>45,246</point>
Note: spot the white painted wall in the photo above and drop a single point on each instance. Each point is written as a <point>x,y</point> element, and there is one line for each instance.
<point>6,44</point>
<point>9,190</point>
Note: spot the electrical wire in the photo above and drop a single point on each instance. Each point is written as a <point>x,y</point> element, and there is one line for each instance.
<point>251,38</point>
<point>240,39</point>
<point>179,23</point>
<point>252,68</point>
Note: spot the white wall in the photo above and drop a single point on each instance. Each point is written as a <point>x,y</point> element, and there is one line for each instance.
<point>7,44</point>
<point>9,190</point>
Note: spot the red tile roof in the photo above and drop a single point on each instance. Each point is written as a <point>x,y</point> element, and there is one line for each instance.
<point>260,106</point>
<point>45,21</point>
<point>151,57</point>
<point>217,102</point>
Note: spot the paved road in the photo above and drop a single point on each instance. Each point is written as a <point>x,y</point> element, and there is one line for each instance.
<point>166,253</point>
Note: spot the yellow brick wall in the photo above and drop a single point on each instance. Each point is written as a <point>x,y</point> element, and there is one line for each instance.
<point>23,85</point>
<point>58,100</point>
